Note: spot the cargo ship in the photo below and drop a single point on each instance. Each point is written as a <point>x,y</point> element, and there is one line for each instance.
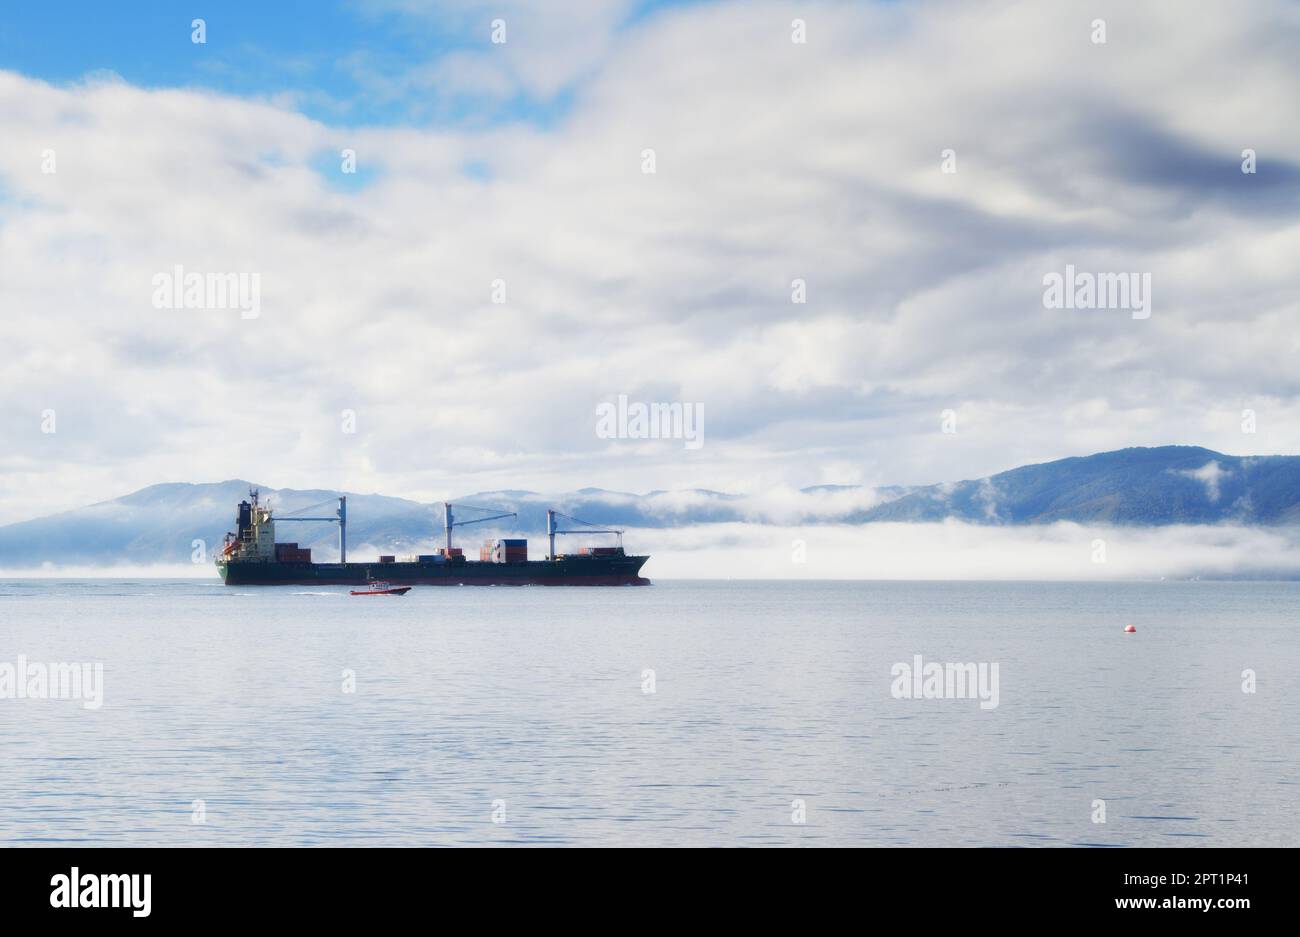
<point>250,556</point>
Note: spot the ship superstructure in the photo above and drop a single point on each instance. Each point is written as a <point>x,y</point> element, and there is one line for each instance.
<point>251,555</point>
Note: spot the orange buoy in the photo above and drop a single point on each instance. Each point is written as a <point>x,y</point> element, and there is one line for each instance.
<point>1129,629</point>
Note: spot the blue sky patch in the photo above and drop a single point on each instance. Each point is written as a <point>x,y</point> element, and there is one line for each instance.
<point>342,62</point>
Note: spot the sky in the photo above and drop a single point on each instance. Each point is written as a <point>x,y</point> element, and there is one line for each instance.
<point>911,171</point>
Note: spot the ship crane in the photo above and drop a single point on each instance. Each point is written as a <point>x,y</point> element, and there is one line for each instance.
<point>340,518</point>
<point>449,520</point>
<point>588,528</point>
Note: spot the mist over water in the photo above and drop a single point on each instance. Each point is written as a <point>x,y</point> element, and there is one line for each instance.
<point>765,694</point>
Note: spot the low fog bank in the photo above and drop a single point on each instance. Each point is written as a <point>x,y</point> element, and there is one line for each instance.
<point>958,550</point>
<point>115,571</point>
<point>946,550</point>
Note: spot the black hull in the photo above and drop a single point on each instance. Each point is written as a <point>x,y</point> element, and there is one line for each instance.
<point>567,571</point>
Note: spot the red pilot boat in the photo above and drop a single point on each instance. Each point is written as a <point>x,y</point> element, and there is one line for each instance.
<point>382,588</point>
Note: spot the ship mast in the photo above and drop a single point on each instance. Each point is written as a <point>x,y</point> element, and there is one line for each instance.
<point>340,517</point>
<point>343,528</point>
<point>588,528</point>
<point>449,518</point>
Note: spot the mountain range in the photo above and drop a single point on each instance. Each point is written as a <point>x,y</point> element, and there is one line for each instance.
<point>1129,487</point>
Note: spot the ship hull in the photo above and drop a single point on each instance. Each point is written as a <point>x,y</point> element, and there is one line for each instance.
<point>566,571</point>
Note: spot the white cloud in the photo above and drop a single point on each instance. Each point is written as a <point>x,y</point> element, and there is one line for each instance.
<point>547,48</point>
<point>775,161</point>
<point>1209,474</point>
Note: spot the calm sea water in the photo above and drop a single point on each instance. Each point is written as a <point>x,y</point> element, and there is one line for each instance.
<point>529,706</point>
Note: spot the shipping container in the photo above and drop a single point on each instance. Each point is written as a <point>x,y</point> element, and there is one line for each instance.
<point>387,559</point>
<point>504,551</point>
<point>292,553</point>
